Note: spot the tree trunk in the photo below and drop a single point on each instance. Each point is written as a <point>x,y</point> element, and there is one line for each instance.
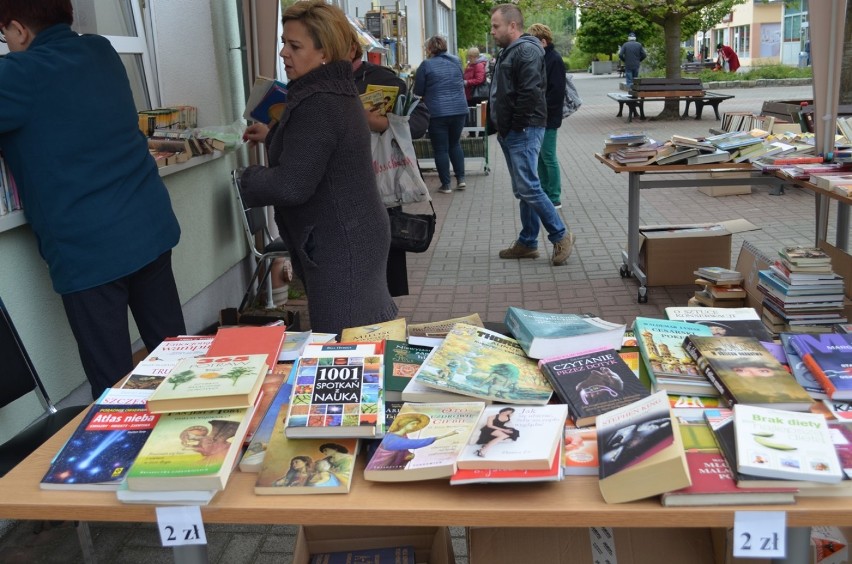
<point>671,109</point>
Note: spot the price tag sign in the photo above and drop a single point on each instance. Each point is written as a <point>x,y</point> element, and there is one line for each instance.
<point>180,525</point>
<point>760,534</point>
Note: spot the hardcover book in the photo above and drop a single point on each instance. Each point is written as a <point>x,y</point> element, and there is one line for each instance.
<point>149,373</point>
<point>484,364</point>
<point>423,442</point>
<point>520,437</point>
<point>259,443</point>
<point>202,383</point>
<point>101,450</point>
<point>543,334</point>
<point>337,396</point>
<point>783,444</point>
<point>829,357</point>
<point>745,372</point>
<point>724,321</point>
<point>592,383</point>
<point>243,340</point>
<point>432,333</point>
<point>190,451</point>
<point>394,329</point>
<point>641,451</point>
<point>401,363</point>
<point>669,366</point>
<point>305,466</point>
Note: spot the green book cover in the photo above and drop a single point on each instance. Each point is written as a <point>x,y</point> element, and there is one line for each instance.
<point>401,363</point>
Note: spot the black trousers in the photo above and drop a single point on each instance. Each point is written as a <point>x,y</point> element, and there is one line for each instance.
<point>99,322</point>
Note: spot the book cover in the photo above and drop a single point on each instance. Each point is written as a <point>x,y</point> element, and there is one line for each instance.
<point>829,358</point>
<point>102,448</point>
<point>520,437</point>
<point>337,396</point>
<point>154,368</point>
<point>543,334</point>
<point>271,106</point>
<point>272,383</point>
<point>641,451</point>
<point>592,383</point>
<point>745,372</point>
<point>401,363</point>
<point>206,382</point>
<point>394,329</point>
<point>387,555</point>
<point>580,451</point>
<point>476,362</point>
<point>417,392</point>
<point>388,96</point>
<point>432,333</point>
<point>783,444</point>
<point>374,102</point>
<point>243,340</point>
<point>423,442</point>
<point>183,497</point>
<point>190,451</point>
<point>723,321</point>
<point>294,344</point>
<point>496,476</point>
<point>669,366</point>
<point>305,466</point>
<point>259,443</point>
<point>800,371</point>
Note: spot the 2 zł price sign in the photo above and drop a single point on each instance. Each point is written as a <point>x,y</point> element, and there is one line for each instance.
<point>760,534</point>
<point>180,525</point>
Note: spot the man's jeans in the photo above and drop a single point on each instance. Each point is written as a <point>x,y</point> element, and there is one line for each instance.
<point>629,75</point>
<point>521,149</point>
<point>445,133</point>
<point>548,167</point>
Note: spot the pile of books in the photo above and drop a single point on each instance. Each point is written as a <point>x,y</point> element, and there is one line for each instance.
<point>720,287</point>
<point>622,140</point>
<point>801,292</point>
<point>838,182</point>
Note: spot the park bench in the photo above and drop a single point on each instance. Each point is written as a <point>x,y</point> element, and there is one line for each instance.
<point>697,66</point>
<point>661,89</point>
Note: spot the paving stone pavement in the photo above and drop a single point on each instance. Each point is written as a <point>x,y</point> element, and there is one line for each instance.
<point>462,274</point>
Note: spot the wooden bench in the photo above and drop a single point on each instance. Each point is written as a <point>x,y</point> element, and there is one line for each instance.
<point>697,66</point>
<point>661,89</point>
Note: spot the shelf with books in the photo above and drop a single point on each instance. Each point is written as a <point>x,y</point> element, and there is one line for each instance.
<point>12,220</point>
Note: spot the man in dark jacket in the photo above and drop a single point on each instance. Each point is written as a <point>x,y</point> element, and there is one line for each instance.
<point>548,164</point>
<point>631,54</point>
<point>519,114</point>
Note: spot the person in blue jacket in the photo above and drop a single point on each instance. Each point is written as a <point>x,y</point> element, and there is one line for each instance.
<point>91,192</point>
<point>439,80</point>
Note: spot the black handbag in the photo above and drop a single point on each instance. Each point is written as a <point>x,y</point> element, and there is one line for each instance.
<point>411,232</point>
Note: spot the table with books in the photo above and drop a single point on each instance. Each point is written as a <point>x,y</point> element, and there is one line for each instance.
<point>822,201</point>
<point>673,176</point>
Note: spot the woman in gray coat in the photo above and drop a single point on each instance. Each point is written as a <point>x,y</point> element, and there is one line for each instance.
<point>320,178</point>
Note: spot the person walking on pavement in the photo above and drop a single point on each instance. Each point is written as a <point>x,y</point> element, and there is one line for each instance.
<point>631,54</point>
<point>518,113</point>
<point>548,165</point>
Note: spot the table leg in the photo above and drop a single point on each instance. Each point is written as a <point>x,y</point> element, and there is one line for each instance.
<point>620,109</point>
<point>190,554</point>
<point>842,241</point>
<point>821,206</point>
<point>633,235</point>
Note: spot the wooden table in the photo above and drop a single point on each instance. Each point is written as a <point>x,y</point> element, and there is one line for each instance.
<point>574,502</point>
<point>636,181</point>
<point>822,202</point>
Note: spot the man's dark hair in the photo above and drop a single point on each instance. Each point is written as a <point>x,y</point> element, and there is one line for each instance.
<point>719,46</point>
<point>510,13</point>
<point>36,14</point>
<point>334,446</point>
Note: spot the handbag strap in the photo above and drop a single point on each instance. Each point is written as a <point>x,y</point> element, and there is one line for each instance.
<point>434,215</point>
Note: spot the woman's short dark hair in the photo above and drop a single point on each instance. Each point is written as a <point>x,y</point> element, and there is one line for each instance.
<point>719,45</point>
<point>37,15</point>
<point>436,45</point>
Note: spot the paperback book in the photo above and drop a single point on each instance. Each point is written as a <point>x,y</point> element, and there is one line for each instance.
<point>580,451</point>
<point>543,334</point>
<point>401,363</point>
<point>669,366</point>
<point>723,321</point>
<point>829,358</point>
<point>394,329</point>
<point>494,476</point>
<point>259,443</point>
<point>423,442</point>
<point>641,451</point>
<point>483,364</point>
<point>267,100</point>
<point>159,363</point>
<point>800,371</point>
<point>202,383</point>
<point>272,383</point>
<point>245,340</point>
<point>520,437</point>
<point>592,383</point>
<point>783,444</point>
<point>432,333</point>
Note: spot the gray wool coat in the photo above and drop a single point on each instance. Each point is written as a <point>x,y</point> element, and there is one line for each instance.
<point>321,182</point>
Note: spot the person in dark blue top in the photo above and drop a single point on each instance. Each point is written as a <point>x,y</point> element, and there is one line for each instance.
<point>91,192</point>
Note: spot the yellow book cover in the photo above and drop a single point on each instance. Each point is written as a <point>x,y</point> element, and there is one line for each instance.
<point>395,330</point>
<point>389,94</point>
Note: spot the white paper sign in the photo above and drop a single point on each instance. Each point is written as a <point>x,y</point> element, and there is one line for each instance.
<point>180,525</point>
<point>760,534</point>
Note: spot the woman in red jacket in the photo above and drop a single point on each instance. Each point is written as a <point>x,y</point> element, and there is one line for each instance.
<point>474,75</point>
<point>729,56</point>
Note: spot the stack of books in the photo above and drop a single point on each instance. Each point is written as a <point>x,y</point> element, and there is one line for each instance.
<point>838,182</point>
<point>720,287</point>
<point>801,292</point>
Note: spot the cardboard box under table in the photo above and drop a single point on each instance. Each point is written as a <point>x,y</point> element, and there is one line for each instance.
<point>432,545</point>
<point>669,255</point>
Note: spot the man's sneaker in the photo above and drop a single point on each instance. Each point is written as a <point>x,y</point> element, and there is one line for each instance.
<point>562,249</point>
<point>445,189</point>
<point>557,205</point>
<point>461,185</point>
<point>518,251</point>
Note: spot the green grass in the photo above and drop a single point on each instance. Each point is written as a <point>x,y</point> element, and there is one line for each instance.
<point>757,72</point>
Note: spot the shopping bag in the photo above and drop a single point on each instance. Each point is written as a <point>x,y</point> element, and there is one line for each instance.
<point>572,101</point>
<point>395,164</point>
<point>482,90</point>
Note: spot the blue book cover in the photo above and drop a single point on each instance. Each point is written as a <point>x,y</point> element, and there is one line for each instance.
<point>390,555</point>
<point>829,358</point>
<point>256,450</point>
<point>272,105</point>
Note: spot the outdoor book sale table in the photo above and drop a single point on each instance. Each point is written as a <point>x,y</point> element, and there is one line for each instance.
<point>573,502</point>
<point>699,175</point>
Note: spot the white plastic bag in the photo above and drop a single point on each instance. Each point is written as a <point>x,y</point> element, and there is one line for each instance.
<point>395,164</point>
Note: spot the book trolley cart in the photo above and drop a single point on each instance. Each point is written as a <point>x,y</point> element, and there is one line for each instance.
<point>574,502</point>
<point>474,144</point>
<point>671,176</point>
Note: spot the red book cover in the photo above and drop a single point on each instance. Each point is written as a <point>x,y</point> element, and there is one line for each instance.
<point>245,340</point>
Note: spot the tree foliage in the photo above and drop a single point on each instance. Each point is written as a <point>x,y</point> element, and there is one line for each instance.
<point>473,23</point>
<point>605,31</point>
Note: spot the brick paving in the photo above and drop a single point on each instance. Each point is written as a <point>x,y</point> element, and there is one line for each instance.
<point>461,274</point>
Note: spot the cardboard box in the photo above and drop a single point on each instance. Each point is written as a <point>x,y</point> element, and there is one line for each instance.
<point>669,255</point>
<point>431,544</point>
<point>597,544</point>
<point>735,190</point>
<point>749,262</point>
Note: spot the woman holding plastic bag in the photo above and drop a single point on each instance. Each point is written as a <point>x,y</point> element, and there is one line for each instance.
<point>367,73</point>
